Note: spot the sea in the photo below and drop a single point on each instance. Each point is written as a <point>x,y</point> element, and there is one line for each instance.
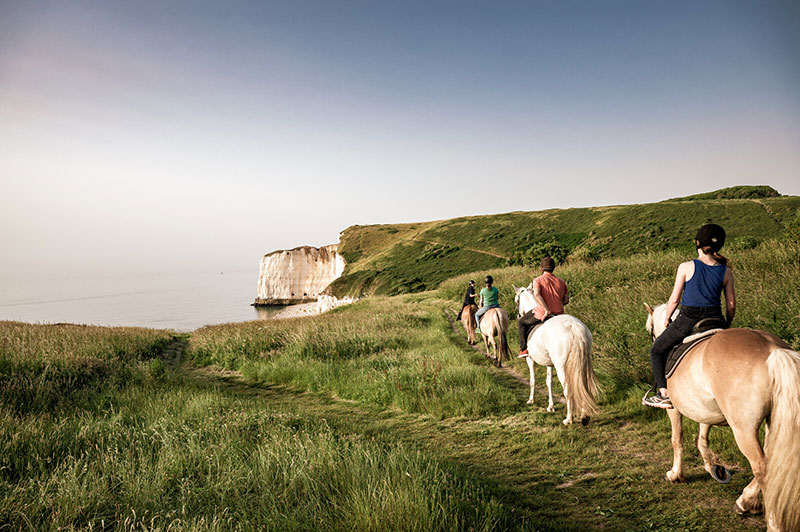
<point>178,301</point>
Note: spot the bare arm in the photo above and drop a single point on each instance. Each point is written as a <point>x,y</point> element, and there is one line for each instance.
<point>730,296</point>
<point>675,297</point>
<point>540,299</point>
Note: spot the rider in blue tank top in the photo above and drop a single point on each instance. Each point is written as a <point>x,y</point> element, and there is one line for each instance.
<point>705,286</point>
<point>702,282</point>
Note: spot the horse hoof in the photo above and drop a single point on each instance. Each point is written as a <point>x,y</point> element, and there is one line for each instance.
<point>738,509</point>
<point>585,420</point>
<point>551,409</point>
<point>720,474</point>
<point>530,401</point>
<point>567,422</point>
<point>672,477</point>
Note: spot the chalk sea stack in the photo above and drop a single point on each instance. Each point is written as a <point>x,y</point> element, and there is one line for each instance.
<point>298,275</point>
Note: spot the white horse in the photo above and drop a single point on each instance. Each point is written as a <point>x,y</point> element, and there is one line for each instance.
<point>563,342</point>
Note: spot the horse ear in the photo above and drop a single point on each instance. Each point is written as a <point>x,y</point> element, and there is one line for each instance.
<point>649,309</point>
<point>515,288</point>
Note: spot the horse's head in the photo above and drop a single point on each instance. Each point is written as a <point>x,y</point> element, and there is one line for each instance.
<point>655,319</point>
<point>523,297</point>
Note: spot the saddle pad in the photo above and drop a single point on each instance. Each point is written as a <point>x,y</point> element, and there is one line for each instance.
<point>679,351</point>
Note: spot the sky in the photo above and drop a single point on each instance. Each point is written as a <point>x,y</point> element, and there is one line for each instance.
<point>173,136</point>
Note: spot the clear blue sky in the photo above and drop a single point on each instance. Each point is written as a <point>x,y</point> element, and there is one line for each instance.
<point>166,135</point>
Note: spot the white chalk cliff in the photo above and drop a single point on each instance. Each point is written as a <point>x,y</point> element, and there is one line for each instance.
<point>297,275</point>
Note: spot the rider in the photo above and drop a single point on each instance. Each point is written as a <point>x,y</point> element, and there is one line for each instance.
<point>551,295</point>
<point>488,300</point>
<point>702,282</point>
<point>469,298</point>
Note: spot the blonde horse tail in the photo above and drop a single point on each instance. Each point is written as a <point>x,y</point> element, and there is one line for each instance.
<point>581,381</point>
<point>782,490</point>
<point>503,352</point>
<point>471,324</point>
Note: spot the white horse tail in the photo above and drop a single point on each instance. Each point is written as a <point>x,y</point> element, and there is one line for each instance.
<point>782,490</point>
<point>581,381</point>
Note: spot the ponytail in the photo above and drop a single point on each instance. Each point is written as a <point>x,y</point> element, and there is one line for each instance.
<point>708,250</point>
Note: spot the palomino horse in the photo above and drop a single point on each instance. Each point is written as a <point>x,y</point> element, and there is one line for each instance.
<point>495,323</point>
<point>469,323</point>
<point>741,377</point>
<point>565,343</point>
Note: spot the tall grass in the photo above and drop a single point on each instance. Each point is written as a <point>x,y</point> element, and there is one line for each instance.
<point>608,296</point>
<point>42,366</point>
<point>382,352</point>
<point>177,455</point>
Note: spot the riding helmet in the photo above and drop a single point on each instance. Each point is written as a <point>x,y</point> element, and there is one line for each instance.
<point>711,235</point>
<point>488,279</point>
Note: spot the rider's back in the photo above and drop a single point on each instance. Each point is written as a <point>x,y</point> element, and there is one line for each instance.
<point>704,288</point>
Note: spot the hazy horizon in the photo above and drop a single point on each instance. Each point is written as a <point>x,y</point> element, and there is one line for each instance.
<point>170,136</point>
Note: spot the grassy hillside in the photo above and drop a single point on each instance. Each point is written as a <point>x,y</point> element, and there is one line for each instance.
<point>403,258</point>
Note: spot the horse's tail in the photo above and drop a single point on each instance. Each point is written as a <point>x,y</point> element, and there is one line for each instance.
<point>503,352</point>
<point>581,381</point>
<point>470,324</point>
<point>782,490</point>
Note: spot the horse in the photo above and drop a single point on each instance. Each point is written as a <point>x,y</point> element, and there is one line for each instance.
<point>563,342</point>
<point>742,377</point>
<point>495,323</point>
<point>469,323</point>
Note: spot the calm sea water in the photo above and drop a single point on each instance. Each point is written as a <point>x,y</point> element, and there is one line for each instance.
<point>182,302</point>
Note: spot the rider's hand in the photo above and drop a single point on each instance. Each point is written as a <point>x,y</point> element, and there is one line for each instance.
<point>666,323</point>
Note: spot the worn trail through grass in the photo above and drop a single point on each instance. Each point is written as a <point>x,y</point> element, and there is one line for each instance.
<point>607,476</point>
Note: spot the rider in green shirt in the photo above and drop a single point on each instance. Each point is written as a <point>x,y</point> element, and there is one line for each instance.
<point>488,299</point>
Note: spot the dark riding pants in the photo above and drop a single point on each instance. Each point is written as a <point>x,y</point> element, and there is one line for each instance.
<point>525,323</point>
<point>674,335</point>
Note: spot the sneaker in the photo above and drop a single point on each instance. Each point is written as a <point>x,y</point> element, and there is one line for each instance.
<point>523,353</point>
<point>657,400</point>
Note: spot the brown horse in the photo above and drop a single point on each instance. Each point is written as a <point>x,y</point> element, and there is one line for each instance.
<point>495,323</point>
<point>469,323</point>
<point>741,377</point>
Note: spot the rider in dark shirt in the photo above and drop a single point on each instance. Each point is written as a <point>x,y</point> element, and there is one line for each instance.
<point>469,298</point>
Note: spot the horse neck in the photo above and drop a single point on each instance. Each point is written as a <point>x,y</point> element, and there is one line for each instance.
<point>526,302</point>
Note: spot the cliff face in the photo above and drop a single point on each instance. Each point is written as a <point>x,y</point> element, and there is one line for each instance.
<point>297,275</point>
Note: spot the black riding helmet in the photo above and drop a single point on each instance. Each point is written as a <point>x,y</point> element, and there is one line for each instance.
<point>711,235</point>
<point>488,279</point>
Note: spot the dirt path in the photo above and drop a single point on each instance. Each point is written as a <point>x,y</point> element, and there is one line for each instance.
<point>450,315</point>
<point>173,352</point>
<point>507,369</point>
<point>415,238</point>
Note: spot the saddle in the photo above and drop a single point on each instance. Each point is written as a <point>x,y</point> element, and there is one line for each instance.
<point>702,331</point>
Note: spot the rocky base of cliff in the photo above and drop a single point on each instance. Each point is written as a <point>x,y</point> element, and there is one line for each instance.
<point>271,302</point>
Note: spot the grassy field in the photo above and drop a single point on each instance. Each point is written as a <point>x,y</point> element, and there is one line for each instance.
<point>328,447</point>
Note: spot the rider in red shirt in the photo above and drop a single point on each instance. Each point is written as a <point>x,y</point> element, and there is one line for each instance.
<point>551,295</point>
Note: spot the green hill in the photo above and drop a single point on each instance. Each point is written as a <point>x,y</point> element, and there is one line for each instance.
<point>402,258</point>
